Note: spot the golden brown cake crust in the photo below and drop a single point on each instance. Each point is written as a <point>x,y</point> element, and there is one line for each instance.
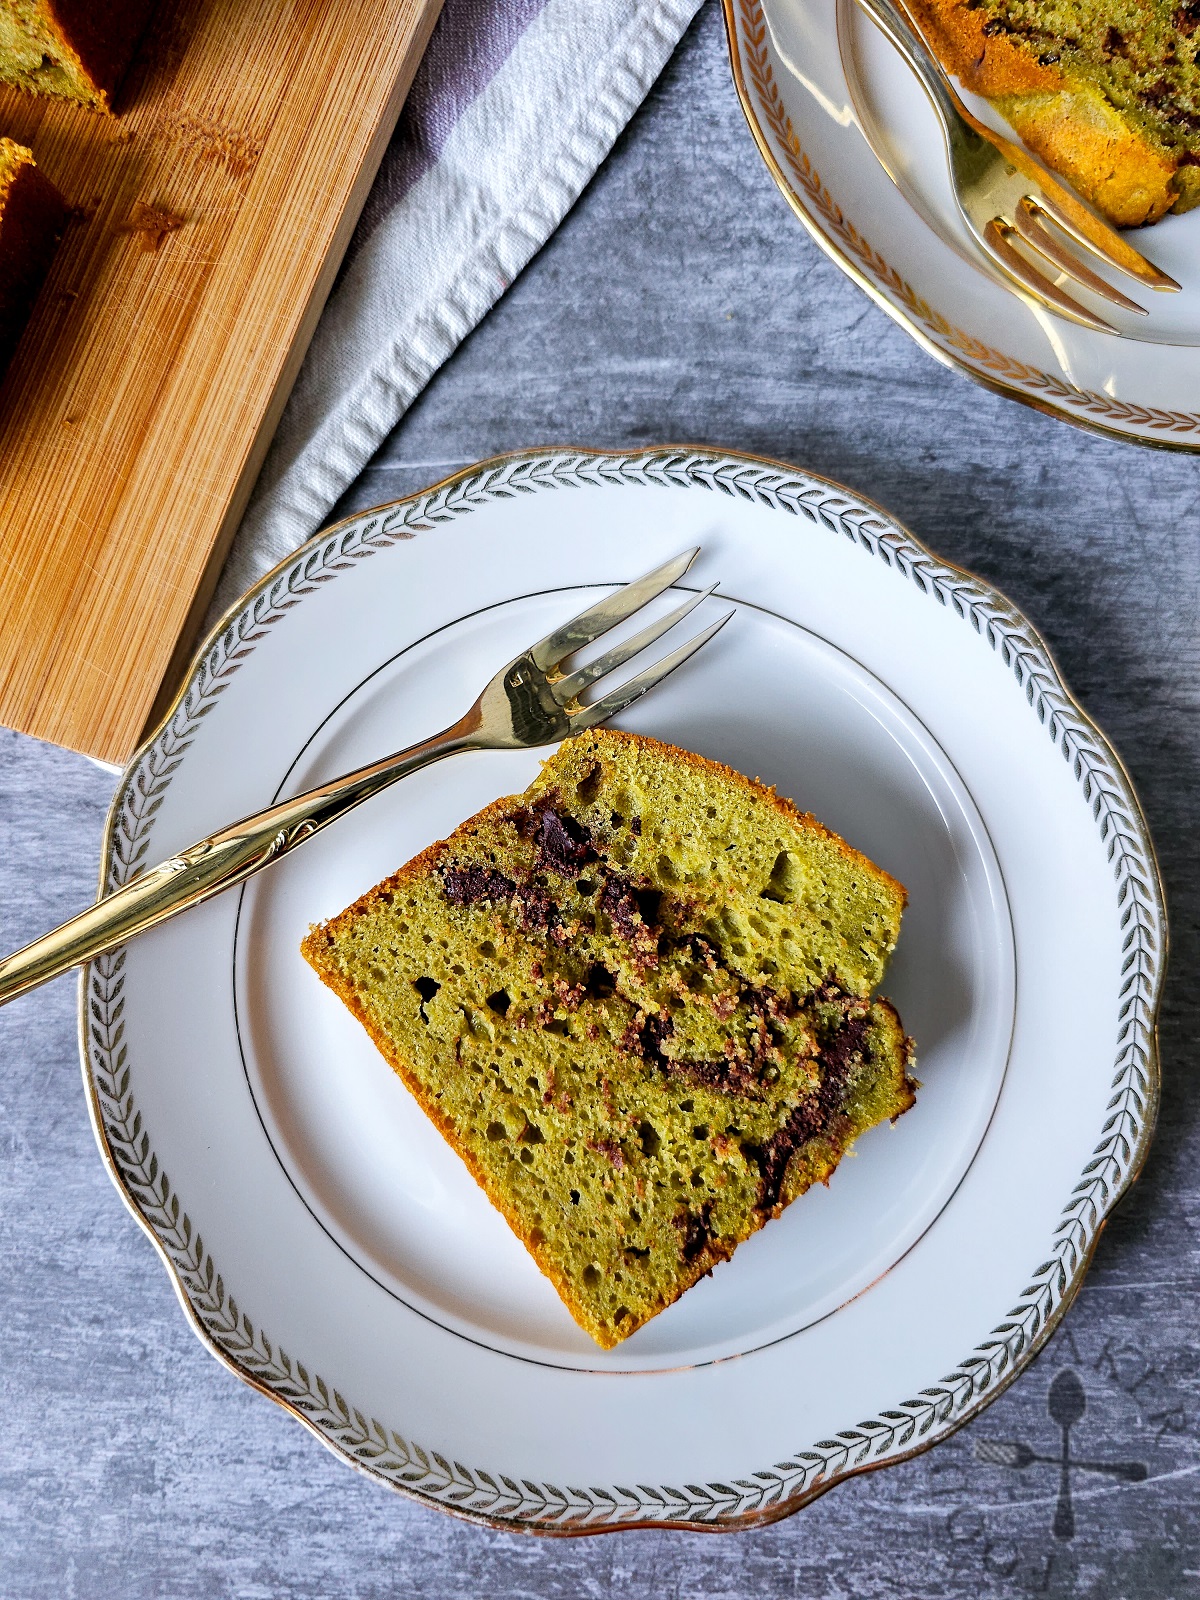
<point>103,38</point>
<point>1071,128</point>
<point>87,47</point>
<point>32,217</point>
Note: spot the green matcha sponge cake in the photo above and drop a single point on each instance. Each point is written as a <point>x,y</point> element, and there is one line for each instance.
<point>1107,92</point>
<point>636,1001</point>
<point>32,217</point>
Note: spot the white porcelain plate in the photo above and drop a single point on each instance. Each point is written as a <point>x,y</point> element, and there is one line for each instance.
<point>331,1248</point>
<point>853,143</point>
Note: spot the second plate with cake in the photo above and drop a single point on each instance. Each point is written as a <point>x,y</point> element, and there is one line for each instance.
<point>855,147</point>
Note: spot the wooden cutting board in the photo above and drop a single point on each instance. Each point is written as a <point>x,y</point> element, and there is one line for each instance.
<point>211,216</point>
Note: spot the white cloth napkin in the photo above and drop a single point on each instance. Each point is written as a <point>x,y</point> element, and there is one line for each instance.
<point>515,105</point>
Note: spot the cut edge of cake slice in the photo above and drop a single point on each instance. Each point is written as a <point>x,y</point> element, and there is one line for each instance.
<point>32,217</point>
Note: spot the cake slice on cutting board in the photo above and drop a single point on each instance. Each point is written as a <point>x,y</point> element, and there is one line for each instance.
<point>76,49</point>
<point>32,217</point>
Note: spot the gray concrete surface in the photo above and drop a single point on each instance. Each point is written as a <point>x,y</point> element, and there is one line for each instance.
<point>680,301</point>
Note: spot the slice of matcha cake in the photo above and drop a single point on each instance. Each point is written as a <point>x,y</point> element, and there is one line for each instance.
<point>32,217</point>
<point>1107,92</point>
<point>636,1001</point>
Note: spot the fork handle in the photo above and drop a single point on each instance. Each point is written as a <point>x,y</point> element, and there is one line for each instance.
<point>210,865</point>
<point>899,28</point>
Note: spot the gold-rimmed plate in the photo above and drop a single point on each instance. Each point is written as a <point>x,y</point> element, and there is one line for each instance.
<point>330,1249</point>
<point>834,111</point>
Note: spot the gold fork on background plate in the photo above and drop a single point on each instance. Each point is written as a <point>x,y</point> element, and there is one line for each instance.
<point>1005,196</point>
<point>529,703</point>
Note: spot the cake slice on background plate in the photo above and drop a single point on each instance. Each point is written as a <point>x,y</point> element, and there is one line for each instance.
<point>636,1001</point>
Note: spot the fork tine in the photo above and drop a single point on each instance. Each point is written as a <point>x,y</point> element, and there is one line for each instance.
<point>569,688</point>
<point>1075,218</point>
<point>996,236</point>
<point>606,613</point>
<point>600,710</point>
<point>1028,223</point>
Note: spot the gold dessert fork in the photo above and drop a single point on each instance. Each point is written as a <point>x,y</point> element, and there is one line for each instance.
<point>1004,195</point>
<point>532,701</point>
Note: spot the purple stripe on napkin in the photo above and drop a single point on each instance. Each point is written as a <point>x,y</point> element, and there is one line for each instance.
<point>471,42</point>
<point>516,104</point>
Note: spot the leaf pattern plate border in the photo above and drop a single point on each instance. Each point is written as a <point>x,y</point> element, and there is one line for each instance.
<point>808,195</point>
<point>225,1325</point>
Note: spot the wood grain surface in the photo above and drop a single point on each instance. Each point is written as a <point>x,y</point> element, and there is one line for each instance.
<point>209,220</point>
